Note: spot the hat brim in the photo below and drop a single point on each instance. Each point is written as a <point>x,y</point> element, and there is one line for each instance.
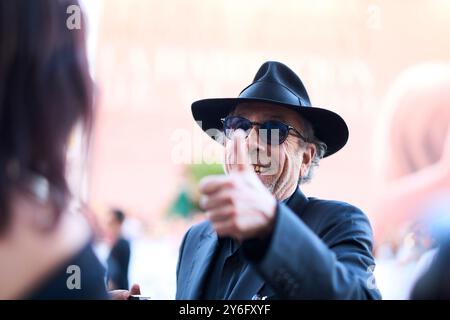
<point>328,126</point>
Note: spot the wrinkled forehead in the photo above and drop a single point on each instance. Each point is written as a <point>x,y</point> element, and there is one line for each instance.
<point>261,111</point>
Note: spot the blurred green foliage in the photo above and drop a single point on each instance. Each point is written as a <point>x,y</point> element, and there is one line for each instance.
<point>198,171</point>
<point>185,202</point>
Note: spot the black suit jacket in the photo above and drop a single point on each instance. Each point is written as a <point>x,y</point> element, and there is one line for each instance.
<point>118,262</point>
<point>318,250</point>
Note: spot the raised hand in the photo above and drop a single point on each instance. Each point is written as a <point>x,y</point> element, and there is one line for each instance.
<point>238,204</point>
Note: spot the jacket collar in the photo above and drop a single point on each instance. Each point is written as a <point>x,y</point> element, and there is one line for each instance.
<point>297,202</point>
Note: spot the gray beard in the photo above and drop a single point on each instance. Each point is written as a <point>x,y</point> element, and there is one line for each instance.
<point>280,191</point>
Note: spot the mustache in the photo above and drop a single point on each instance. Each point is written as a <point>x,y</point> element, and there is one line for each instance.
<point>266,157</point>
<point>260,158</point>
<point>263,156</point>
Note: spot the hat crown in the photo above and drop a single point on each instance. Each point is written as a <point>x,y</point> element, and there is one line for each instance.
<point>274,72</point>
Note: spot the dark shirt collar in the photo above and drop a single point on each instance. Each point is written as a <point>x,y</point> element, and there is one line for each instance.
<point>230,245</point>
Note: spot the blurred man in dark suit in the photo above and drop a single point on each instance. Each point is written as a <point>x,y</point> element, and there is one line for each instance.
<point>119,257</point>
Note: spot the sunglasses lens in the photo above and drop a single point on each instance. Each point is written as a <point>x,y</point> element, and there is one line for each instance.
<point>234,123</point>
<point>275,132</point>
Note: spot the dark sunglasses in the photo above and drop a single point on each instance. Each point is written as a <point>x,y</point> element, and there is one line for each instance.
<point>233,123</point>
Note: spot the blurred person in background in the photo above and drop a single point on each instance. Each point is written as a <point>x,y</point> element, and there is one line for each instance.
<point>433,278</point>
<point>412,134</point>
<point>415,161</point>
<point>119,256</point>
<point>264,239</point>
<point>434,282</point>
<point>45,91</point>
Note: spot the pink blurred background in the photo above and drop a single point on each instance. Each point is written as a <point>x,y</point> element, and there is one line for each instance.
<point>151,59</point>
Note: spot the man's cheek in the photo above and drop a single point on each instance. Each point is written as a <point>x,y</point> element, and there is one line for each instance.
<point>292,160</point>
<point>276,157</point>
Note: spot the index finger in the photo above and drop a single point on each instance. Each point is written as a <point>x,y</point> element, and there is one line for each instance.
<point>241,152</point>
<point>212,184</point>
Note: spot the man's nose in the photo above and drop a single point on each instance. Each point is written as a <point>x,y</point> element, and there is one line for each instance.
<point>254,142</point>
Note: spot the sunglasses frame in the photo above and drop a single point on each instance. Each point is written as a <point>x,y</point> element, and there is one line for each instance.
<point>289,128</point>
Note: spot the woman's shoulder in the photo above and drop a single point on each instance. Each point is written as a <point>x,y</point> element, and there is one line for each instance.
<point>48,263</point>
<point>80,277</point>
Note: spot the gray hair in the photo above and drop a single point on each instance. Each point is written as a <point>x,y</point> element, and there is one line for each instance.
<point>321,149</point>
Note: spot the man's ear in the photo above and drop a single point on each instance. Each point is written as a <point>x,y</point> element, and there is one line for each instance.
<point>308,156</point>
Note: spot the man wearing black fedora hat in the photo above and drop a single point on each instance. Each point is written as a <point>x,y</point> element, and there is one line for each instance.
<point>263,237</point>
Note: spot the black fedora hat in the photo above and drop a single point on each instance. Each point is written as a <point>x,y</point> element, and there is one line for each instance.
<point>277,84</point>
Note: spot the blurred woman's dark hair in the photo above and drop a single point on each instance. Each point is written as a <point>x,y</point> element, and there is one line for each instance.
<point>45,89</point>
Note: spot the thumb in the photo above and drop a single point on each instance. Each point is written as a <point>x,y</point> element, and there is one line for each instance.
<point>240,147</point>
<point>135,289</point>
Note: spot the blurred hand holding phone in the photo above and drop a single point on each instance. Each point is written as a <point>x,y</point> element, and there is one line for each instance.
<point>138,297</point>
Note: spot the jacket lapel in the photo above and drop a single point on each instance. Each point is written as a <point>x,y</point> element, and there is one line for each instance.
<point>297,202</point>
<point>201,262</point>
<point>250,282</point>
